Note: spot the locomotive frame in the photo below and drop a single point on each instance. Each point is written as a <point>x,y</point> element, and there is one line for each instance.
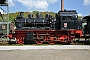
<point>41,36</point>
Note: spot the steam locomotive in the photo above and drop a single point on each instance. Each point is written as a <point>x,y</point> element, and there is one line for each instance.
<point>63,28</point>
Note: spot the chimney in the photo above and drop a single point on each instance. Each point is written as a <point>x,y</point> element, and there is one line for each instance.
<point>21,14</point>
<point>62,5</point>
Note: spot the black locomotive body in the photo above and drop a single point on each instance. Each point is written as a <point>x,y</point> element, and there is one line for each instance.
<point>87,28</point>
<point>64,20</point>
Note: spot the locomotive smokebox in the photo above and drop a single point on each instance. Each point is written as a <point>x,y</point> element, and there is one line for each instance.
<point>62,5</point>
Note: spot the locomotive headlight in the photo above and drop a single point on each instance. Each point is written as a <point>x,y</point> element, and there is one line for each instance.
<point>76,16</point>
<point>14,19</point>
<point>50,22</point>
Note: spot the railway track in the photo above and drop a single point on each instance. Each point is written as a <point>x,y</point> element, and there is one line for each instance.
<point>74,43</point>
<point>81,41</point>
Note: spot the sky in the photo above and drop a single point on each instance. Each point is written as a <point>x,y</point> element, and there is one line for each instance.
<point>81,6</point>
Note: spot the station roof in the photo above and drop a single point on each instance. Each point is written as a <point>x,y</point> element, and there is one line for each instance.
<point>3,3</point>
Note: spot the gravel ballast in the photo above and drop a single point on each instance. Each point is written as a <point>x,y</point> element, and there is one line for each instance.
<point>45,54</point>
<point>51,52</point>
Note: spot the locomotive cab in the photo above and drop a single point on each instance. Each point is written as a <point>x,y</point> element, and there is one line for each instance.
<point>68,19</point>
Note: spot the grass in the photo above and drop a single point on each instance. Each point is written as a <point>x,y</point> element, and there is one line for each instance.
<point>6,44</point>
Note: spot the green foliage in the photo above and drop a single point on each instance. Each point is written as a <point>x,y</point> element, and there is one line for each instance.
<point>79,17</point>
<point>12,16</point>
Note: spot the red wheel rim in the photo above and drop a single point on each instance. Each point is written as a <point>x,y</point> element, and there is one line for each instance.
<point>20,41</point>
<point>39,42</point>
<point>51,42</point>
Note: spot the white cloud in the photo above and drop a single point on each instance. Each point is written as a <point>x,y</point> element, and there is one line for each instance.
<point>52,1</point>
<point>79,14</point>
<point>40,5</point>
<point>86,2</point>
<point>11,3</point>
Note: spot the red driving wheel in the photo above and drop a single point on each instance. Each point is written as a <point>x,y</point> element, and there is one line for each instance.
<point>20,41</point>
<point>39,42</point>
<point>51,42</point>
